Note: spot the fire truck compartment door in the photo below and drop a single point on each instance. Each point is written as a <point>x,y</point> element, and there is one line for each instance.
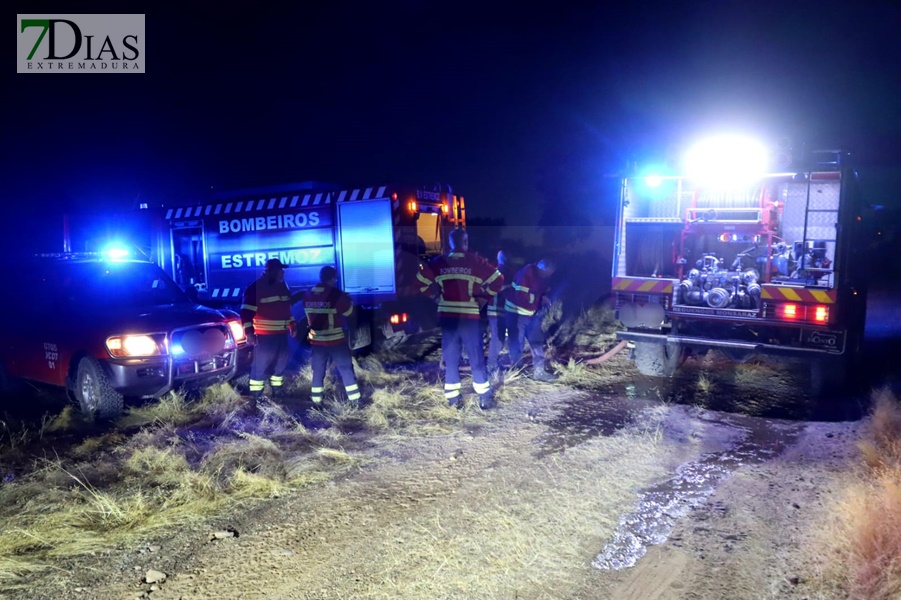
<point>367,247</point>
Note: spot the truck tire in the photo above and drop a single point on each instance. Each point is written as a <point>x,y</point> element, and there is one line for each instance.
<point>383,343</point>
<point>95,395</point>
<point>828,376</point>
<point>658,360</point>
<point>361,336</point>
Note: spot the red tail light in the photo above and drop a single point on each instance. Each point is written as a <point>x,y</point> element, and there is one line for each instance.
<point>788,311</point>
<point>820,313</point>
<point>398,319</point>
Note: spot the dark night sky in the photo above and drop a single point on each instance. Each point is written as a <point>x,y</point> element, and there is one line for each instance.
<point>512,106</point>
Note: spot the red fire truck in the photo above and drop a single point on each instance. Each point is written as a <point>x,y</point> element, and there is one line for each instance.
<point>769,264</point>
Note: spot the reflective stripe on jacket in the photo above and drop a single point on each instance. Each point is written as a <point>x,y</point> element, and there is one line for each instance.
<point>526,291</point>
<point>497,303</point>
<point>327,311</point>
<point>459,279</point>
<point>267,307</point>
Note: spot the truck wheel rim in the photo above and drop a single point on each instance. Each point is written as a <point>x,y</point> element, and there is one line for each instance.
<point>87,393</point>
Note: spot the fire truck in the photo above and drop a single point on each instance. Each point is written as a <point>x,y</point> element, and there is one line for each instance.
<point>374,236</point>
<point>773,264</point>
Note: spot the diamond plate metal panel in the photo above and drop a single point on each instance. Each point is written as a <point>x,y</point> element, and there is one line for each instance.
<point>825,195</point>
<point>795,197</point>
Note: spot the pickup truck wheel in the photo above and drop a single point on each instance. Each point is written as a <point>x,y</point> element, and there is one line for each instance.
<point>95,395</point>
<point>658,360</point>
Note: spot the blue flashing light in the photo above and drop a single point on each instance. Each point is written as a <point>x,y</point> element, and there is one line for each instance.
<point>177,350</point>
<point>116,253</point>
<point>654,181</point>
<point>115,249</point>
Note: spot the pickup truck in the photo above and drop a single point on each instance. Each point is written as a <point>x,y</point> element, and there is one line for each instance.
<point>107,330</point>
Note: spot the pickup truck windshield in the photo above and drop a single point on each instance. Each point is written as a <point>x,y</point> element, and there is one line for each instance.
<point>93,285</point>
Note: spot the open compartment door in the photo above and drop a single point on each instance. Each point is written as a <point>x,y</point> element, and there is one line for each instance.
<point>367,250</point>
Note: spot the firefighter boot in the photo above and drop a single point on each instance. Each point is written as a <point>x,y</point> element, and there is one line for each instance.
<point>487,401</point>
<point>543,375</point>
<point>253,406</point>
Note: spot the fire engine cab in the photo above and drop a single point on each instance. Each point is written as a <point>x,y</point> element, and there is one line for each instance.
<point>769,261</point>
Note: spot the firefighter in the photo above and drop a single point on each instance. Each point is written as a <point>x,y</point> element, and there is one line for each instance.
<point>524,305</point>
<point>459,280</point>
<point>267,318</point>
<point>328,310</point>
<point>497,318</point>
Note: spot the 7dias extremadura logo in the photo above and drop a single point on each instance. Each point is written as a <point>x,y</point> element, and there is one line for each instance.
<point>80,44</point>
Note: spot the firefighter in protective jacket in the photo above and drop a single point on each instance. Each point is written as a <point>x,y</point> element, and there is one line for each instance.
<point>528,295</point>
<point>459,280</point>
<point>267,318</point>
<point>497,317</point>
<point>328,309</point>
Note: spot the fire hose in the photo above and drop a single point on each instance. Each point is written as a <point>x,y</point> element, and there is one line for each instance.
<point>607,355</point>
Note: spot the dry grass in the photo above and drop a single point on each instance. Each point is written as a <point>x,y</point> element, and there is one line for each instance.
<point>881,448</point>
<point>863,544</point>
<point>114,490</point>
<point>593,331</point>
<point>171,409</point>
<point>413,407</point>
<point>580,375</point>
<point>705,385</point>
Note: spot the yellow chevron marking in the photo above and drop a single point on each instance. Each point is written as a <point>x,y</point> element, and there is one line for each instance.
<point>822,296</point>
<point>790,294</point>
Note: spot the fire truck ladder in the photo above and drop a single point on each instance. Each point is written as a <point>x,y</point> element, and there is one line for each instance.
<point>824,160</point>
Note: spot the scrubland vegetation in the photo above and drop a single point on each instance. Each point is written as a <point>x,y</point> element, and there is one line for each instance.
<point>861,544</point>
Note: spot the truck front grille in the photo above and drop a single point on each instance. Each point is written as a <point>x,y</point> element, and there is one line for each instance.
<point>200,350</point>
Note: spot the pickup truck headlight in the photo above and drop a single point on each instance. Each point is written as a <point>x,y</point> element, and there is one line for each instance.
<point>237,330</point>
<point>122,346</point>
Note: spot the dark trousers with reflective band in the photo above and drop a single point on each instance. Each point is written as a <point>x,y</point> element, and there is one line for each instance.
<point>499,328</point>
<point>341,356</point>
<point>270,357</point>
<point>456,335</point>
<point>524,328</point>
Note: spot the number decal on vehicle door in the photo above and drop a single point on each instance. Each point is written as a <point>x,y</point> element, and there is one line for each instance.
<point>51,354</point>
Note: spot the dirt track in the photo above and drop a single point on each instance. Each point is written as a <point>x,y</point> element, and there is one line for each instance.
<point>516,504</point>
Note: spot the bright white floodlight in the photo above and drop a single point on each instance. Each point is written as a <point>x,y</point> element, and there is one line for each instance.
<point>727,160</point>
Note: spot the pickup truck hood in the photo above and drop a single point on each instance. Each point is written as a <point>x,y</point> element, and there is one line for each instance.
<point>149,319</point>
